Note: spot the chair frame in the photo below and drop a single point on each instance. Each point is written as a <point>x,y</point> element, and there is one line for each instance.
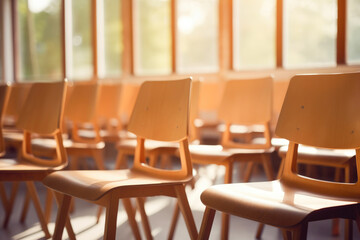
<point>298,122</point>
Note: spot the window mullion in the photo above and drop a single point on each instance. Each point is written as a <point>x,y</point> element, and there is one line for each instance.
<point>341,33</point>
<point>279,33</point>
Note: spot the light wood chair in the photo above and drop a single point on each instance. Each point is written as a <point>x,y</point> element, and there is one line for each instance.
<point>80,113</point>
<point>157,151</point>
<point>41,114</point>
<point>319,111</point>
<point>160,113</point>
<point>244,102</point>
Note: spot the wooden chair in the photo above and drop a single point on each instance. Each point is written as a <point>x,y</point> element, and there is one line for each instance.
<point>80,112</point>
<point>244,102</point>
<point>160,113</point>
<point>41,115</point>
<point>157,151</point>
<point>320,111</point>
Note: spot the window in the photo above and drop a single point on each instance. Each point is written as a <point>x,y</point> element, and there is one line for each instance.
<point>353,31</point>
<point>197,36</point>
<point>253,34</point>
<point>152,44</point>
<point>113,47</point>
<point>310,33</point>
<point>39,39</point>
<point>82,55</point>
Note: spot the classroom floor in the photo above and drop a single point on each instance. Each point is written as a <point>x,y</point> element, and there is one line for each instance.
<point>159,210</point>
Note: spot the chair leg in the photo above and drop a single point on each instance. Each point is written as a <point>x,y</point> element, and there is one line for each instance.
<point>131,217</point>
<point>144,218</point>
<point>48,205</point>
<point>74,163</point>
<point>62,214</point>
<point>259,230</point>
<point>186,211</point>
<point>248,171</point>
<point>59,198</point>
<point>174,221</point>
<point>35,198</point>
<point>4,199</point>
<point>98,215</point>
<point>120,161</point>
<point>206,223</point>
<point>300,232</point>
<point>266,161</point>
<point>14,189</point>
<point>99,159</point>
<point>286,234</point>
<point>348,235</point>
<point>111,217</point>
<point>225,222</point>
<point>25,207</point>
<point>335,227</point>
<point>225,218</point>
<point>153,159</point>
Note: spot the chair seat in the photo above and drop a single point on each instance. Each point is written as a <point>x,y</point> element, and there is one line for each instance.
<point>320,156</point>
<point>269,202</point>
<point>68,144</point>
<point>108,136</point>
<point>149,144</point>
<point>93,184</point>
<point>218,153</point>
<point>13,170</point>
<point>13,137</point>
<point>275,141</point>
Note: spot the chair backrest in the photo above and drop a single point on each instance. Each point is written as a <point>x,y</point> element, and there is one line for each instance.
<point>247,102</point>
<point>161,113</point>
<point>129,94</point>
<point>42,114</point>
<point>321,110</point>
<point>108,100</point>
<point>81,104</point>
<point>80,109</point>
<point>3,101</point>
<point>17,95</point>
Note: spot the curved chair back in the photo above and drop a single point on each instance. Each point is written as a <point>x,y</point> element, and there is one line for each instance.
<point>17,95</point>
<point>321,111</point>
<point>129,94</point>
<point>81,104</point>
<point>108,100</point>
<point>80,108</point>
<point>247,102</point>
<point>161,113</point>
<point>42,114</point>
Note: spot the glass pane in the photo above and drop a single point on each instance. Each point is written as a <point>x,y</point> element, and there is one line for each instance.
<point>254,34</point>
<point>197,35</point>
<point>81,39</point>
<point>310,33</point>
<point>40,39</point>
<point>353,31</point>
<point>152,37</point>
<point>113,38</point>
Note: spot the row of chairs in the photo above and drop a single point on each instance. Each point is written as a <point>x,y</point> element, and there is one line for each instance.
<point>142,180</point>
